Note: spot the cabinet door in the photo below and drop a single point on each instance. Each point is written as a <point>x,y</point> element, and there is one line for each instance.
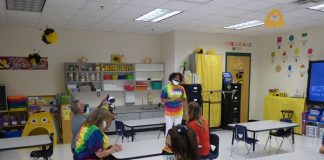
<point>146,115</point>
<point>158,114</point>
<point>132,116</point>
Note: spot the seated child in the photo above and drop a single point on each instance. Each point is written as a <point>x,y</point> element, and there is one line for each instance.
<point>181,144</point>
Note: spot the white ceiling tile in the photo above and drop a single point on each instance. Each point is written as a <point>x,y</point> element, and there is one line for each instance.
<point>206,9</point>
<point>66,3</point>
<point>52,22</point>
<point>114,21</point>
<point>301,13</point>
<point>233,21</point>
<point>277,1</point>
<point>11,13</point>
<point>294,20</point>
<point>135,9</point>
<point>60,10</point>
<point>315,15</point>
<point>180,6</point>
<point>120,2</point>
<point>122,15</point>
<point>256,6</point>
<point>152,3</point>
<point>255,15</point>
<point>86,19</point>
<point>214,18</point>
<point>228,3</point>
<point>107,6</point>
<point>103,25</point>
<point>55,16</point>
<point>97,13</point>
<point>234,13</point>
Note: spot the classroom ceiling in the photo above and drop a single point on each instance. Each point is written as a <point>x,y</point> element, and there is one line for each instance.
<point>198,15</point>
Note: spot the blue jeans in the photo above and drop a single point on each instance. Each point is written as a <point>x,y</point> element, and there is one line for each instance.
<point>323,140</point>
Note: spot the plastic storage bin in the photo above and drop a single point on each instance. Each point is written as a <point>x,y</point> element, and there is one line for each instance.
<point>13,133</point>
<point>156,84</point>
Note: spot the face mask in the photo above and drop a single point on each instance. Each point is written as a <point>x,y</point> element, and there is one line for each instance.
<point>175,82</point>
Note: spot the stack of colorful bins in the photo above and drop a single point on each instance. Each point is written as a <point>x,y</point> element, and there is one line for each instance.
<point>17,103</point>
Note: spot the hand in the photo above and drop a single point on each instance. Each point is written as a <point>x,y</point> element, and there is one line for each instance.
<point>322,149</point>
<point>116,148</point>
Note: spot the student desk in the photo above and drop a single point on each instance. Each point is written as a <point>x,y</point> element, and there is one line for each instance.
<point>152,158</point>
<point>24,142</point>
<point>143,122</point>
<point>141,149</point>
<point>267,125</point>
<point>301,155</point>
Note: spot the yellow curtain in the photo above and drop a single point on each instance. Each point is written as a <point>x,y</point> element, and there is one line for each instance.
<point>209,69</point>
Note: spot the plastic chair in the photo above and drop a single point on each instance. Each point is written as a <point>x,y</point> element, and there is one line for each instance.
<point>240,134</point>
<point>282,133</point>
<point>213,154</point>
<point>47,153</point>
<point>121,132</point>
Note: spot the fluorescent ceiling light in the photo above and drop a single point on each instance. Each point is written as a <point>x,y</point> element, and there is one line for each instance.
<point>157,15</point>
<point>245,25</point>
<point>317,8</point>
<point>26,5</point>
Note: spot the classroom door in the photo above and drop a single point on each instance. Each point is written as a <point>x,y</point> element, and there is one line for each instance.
<point>239,64</point>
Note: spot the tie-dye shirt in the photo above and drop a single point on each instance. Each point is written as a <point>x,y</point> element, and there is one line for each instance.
<point>90,139</point>
<point>174,108</point>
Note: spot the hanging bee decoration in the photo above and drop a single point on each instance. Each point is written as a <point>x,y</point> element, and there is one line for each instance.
<point>49,36</point>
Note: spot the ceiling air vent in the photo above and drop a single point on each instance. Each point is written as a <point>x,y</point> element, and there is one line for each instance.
<point>25,5</point>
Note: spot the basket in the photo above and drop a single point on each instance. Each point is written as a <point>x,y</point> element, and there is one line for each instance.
<point>156,84</point>
<point>129,87</point>
<point>311,131</point>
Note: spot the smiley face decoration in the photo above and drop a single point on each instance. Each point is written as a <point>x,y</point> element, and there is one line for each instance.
<point>274,19</point>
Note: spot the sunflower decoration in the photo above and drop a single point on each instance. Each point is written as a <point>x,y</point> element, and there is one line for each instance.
<point>199,51</point>
<point>49,36</point>
<point>115,58</point>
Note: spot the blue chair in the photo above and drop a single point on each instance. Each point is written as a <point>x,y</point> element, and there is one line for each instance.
<point>121,132</point>
<point>240,134</point>
<point>214,141</point>
<point>282,133</point>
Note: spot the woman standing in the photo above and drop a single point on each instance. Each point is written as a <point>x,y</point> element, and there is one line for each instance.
<point>92,142</point>
<point>200,126</point>
<point>174,97</point>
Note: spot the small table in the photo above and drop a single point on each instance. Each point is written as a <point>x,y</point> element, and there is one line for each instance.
<point>140,149</point>
<point>267,125</point>
<point>143,122</point>
<point>24,142</point>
